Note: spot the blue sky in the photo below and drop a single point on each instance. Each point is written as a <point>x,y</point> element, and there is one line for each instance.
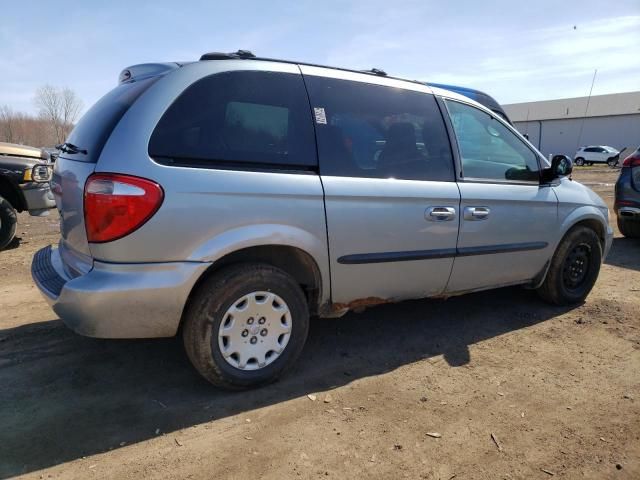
<point>516,51</point>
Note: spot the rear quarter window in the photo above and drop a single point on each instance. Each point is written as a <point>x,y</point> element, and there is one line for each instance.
<point>240,118</point>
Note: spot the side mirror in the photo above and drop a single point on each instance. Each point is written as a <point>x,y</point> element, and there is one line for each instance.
<point>561,166</point>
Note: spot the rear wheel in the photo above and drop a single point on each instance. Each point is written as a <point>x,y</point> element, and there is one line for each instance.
<point>579,161</point>
<point>8,222</point>
<point>628,228</point>
<point>612,162</point>
<point>574,268</point>
<point>590,164</point>
<point>246,325</point>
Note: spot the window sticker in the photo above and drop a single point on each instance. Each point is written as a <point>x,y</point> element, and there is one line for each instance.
<point>321,117</point>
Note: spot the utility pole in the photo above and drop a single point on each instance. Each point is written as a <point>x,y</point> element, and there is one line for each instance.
<point>586,109</point>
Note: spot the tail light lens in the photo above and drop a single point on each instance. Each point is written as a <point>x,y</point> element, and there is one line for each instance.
<point>116,205</point>
<point>632,160</point>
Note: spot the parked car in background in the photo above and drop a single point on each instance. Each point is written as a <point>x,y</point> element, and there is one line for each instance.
<point>480,97</point>
<point>232,198</point>
<point>24,186</point>
<point>596,154</point>
<point>627,202</point>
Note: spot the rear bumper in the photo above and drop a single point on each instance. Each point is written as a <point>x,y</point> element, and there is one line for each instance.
<point>629,213</point>
<point>117,300</point>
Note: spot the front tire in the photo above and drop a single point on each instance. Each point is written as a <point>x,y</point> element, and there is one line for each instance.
<point>245,326</point>
<point>8,222</point>
<point>579,161</point>
<point>630,229</point>
<point>574,268</point>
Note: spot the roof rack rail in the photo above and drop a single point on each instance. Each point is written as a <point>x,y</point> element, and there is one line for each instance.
<point>227,56</point>
<point>246,54</point>
<point>376,71</point>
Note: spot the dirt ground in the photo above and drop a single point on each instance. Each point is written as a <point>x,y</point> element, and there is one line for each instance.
<point>493,385</point>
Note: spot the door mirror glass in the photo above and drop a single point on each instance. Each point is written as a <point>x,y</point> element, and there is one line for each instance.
<point>561,166</point>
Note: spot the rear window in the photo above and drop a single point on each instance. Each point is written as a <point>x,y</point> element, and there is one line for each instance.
<point>241,118</point>
<point>95,126</point>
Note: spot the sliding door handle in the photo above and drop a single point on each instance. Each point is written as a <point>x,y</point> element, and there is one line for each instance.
<point>440,214</point>
<point>476,213</point>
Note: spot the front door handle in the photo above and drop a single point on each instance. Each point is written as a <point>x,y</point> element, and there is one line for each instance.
<point>440,214</point>
<point>476,213</point>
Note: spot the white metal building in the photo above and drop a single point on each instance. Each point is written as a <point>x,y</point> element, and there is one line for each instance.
<point>561,126</point>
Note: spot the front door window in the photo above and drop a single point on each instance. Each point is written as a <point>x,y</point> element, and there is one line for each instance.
<point>488,149</point>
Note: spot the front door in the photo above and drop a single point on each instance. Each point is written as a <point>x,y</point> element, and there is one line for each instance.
<point>508,219</point>
<point>391,199</point>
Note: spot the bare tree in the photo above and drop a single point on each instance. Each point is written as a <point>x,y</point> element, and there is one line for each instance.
<point>60,107</point>
<point>48,102</point>
<point>71,108</point>
<point>6,124</point>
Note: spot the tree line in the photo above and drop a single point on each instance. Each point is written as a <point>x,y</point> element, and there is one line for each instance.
<point>58,109</point>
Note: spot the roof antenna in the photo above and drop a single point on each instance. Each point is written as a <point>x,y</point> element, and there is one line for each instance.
<point>226,56</point>
<point>245,54</point>
<point>376,71</point>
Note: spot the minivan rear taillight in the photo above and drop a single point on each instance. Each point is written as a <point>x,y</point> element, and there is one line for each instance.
<point>115,205</point>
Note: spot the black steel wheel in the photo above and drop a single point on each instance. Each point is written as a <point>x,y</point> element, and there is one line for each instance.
<point>574,267</point>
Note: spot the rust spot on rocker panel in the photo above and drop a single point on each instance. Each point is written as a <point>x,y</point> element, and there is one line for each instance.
<point>359,304</point>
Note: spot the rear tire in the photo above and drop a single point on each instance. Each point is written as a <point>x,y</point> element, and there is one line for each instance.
<point>8,222</point>
<point>574,268</point>
<point>590,164</point>
<point>221,317</point>
<point>579,161</point>
<point>630,229</point>
<point>612,162</point>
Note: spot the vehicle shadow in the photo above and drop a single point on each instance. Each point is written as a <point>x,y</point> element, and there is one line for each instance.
<point>625,253</point>
<point>15,243</point>
<point>64,396</point>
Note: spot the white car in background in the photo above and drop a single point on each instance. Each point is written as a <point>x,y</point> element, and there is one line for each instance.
<point>596,154</point>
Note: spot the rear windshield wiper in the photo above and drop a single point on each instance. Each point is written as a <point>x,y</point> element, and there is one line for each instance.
<point>67,147</point>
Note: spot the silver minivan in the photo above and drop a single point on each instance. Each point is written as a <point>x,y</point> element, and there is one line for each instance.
<point>233,198</point>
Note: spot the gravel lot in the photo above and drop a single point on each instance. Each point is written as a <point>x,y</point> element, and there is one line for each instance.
<point>492,385</point>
